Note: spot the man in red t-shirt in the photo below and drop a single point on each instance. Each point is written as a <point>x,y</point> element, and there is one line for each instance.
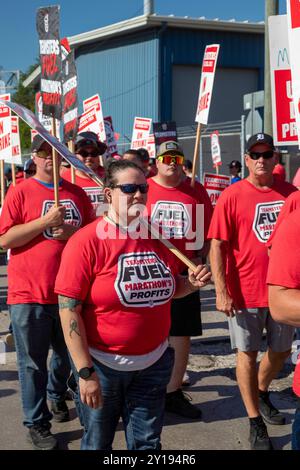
<point>88,149</point>
<point>173,206</point>
<point>243,220</point>
<point>284,291</point>
<point>36,232</point>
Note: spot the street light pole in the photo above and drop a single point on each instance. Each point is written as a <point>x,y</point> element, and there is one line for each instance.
<point>271,8</point>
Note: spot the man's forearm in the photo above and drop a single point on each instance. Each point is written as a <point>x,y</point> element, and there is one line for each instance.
<point>217,262</point>
<point>20,235</point>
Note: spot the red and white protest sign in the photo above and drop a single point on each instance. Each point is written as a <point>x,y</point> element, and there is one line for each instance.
<point>5,129</point>
<point>111,143</point>
<point>141,132</point>
<point>151,146</point>
<point>284,122</point>
<point>88,121</point>
<point>15,156</point>
<point>47,23</point>
<point>46,121</point>
<point>214,185</point>
<point>70,97</point>
<point>215,149</point>
<point>293,21</point>
<point>95,102</point>
<point>207,82</point>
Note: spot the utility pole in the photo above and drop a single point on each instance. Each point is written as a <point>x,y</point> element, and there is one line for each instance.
<point>271,8</point>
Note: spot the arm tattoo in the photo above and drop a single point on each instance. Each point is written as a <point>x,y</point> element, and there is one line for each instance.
<point>67,302</point>
<point>73,327</point>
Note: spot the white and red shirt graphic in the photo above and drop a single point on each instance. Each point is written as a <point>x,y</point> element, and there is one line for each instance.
<point>265,217</point>
<point>72,214</point>
<point>174,211</point>
<point>173,217</point>
<point>143,280</point>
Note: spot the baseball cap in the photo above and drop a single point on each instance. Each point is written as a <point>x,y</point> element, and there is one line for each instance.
<point>37,142</point>
<point>260,138</point>
<point>89,138</point>
<point>235,164</point>
<point>170,146</point>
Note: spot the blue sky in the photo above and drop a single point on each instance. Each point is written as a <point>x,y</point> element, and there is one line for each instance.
<point>18,37</point>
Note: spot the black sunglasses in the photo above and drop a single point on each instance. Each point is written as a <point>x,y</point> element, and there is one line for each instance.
<point>132,188</point>
<point>256,155</point>
<point>86,153</point>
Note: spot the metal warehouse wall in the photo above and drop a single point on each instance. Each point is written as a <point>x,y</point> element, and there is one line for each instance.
<point>186,47</point>
<point>124,73</point>
<point>227,101</point>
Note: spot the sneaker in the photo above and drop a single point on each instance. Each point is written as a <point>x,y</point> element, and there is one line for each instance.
<point>270,414</point>
<point>180,403</point>
<point>41,438</point>
<point>9,340</point>
<point>60,411</point>
<point>259,438</point>
<point>186,381</point>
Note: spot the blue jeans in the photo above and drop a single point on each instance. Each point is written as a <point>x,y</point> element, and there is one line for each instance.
<point>296,429</point>
<point>136,396</point>
<point>36,327</point>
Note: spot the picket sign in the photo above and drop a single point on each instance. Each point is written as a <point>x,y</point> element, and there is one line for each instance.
<point>205,95</point>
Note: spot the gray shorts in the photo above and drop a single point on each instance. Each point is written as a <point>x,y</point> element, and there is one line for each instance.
<point>246,331</point>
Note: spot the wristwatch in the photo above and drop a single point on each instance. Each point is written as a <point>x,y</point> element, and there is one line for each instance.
<point>86,372</point>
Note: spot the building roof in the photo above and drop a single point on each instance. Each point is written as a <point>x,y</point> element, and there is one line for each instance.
<point>151,21</point>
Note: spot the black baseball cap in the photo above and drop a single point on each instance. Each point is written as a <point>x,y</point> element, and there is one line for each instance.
<point>235,164</point>
<point>37,142</point>
<point>89,138</point>
<point>260,138</point>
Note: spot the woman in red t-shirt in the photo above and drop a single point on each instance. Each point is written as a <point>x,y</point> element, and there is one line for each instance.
<point>115,285</point>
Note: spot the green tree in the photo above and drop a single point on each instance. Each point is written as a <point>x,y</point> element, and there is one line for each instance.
<point>25,97</point>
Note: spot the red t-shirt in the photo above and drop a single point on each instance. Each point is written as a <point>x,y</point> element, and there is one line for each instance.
<point>126,286</point>
<point>291,203</point>
<point>245,217</point>
<point>19,177</point>
<point>174,210</point>
<point>94,192</point>
<point>287,274</point>
<point>32,268</point>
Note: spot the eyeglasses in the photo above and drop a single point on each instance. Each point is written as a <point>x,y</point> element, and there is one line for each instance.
<point>44,153</point>
<point>168,159</point>
<point>256,155</point>
<point>132,188</point>
<point>86,153</point>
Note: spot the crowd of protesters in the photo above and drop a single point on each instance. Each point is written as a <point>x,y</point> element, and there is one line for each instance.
<point>118,308</point>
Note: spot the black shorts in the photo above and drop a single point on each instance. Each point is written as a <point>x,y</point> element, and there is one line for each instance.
<point>186,316</point>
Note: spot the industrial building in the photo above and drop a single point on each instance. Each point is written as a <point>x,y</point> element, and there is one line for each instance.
<point>150,66</point>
